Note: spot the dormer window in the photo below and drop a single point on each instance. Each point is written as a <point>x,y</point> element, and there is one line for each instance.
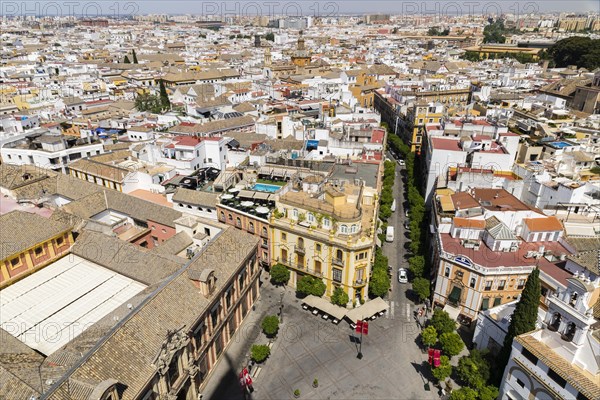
<point>344,229</point>
<point>310,218</point>
<point>295,213</point>
<point>326,223</point>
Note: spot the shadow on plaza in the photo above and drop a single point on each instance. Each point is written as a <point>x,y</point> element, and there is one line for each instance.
<point>229,387</point>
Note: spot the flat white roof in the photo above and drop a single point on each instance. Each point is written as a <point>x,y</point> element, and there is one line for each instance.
<point>56,304</point>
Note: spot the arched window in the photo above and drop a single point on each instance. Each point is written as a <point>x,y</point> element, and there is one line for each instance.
<point>344,229</point>
<point>251,226</point>
<point>310,218</point>
<point>222,216</point>
<point>353,229</point>
<point>238,222</point>
<point>301,243</point>
<point>573,299</point>
<point>555,322</point>
<point>339,254</point>
<point>326,223</point>
<point>230,217</point>
<point>569,332</point>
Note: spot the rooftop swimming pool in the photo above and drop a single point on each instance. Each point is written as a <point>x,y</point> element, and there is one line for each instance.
<point>263,187</point>
<point>560,145</point>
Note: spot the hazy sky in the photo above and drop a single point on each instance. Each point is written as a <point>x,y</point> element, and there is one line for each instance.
<point>294,7</point>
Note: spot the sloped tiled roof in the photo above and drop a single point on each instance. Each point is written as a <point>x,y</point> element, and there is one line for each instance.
<point>195,197</point>
<point>128,353</point>
<point>22,230</point>
<point>580,379</point>
<point>498,230</point>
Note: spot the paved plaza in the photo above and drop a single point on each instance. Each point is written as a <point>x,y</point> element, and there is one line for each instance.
<point>308,347</point>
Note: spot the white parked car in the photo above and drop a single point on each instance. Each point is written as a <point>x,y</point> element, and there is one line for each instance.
<point>401,163</point>
<point>402,275</point>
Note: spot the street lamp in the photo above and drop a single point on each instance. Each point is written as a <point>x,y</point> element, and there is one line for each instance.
<point>281,307</point>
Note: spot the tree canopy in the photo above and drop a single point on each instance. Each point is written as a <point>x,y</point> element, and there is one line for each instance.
<point>308,284</point>
<point>148,102</point>
<point>451,343</point>
<point>442,371</point>
<point>582,51</point>
<point>494,32</point>
<point>339,297</point>
<point>421,288</point>
<point>280,274</point>
<point>442,322</point>
<point>473,370</point>
<point>523,319</point>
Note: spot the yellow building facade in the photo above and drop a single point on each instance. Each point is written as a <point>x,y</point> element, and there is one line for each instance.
<point>29,243</point>
<point>331,238</point>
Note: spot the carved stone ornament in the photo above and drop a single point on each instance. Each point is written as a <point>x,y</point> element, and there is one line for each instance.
<point>175,340</point>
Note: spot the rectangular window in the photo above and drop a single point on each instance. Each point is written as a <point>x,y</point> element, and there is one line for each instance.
<point>501,284</point>
<point>556,378</point>
<point>228,295</point>
<point>241,280</point>
<point>173,372</point>
<point>529,355</point>
<point>214,315</point>
<point>521,284</point>
<point>497,301</point>
<point>318,248</point>
<point>485,304</point>
<point>14,262</point>
<point>472,282</point>
<point>283,236</point>
<point>337,275</point>
<point>488,285</point>
<point>447,272</point>
<point>219,345</point>
<point>199,335</point>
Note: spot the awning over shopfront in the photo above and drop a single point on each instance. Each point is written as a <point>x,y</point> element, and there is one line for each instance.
<point>367,310</point>
<point>453,312</point>
<point>325,306</point>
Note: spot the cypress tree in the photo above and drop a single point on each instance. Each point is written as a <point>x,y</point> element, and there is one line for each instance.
<point>134,56</point>
<point>126,61</point>
<point>164,97</point>
<point>523,319</point>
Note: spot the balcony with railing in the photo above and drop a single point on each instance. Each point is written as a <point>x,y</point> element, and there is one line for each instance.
<point>300,250</point>
<point>337,261</point>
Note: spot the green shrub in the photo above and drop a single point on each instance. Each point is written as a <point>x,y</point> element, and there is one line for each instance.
<point>270,325</point>
<point>259,352</point>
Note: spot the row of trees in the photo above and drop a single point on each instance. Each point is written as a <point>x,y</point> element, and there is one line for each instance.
<point>380,282</point>
<point>387,195</point>
<point>133,55</point>
<point>521,57</point>
<point>416,205</point>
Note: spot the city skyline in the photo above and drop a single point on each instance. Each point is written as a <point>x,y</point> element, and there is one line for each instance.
<point>290,8</point>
